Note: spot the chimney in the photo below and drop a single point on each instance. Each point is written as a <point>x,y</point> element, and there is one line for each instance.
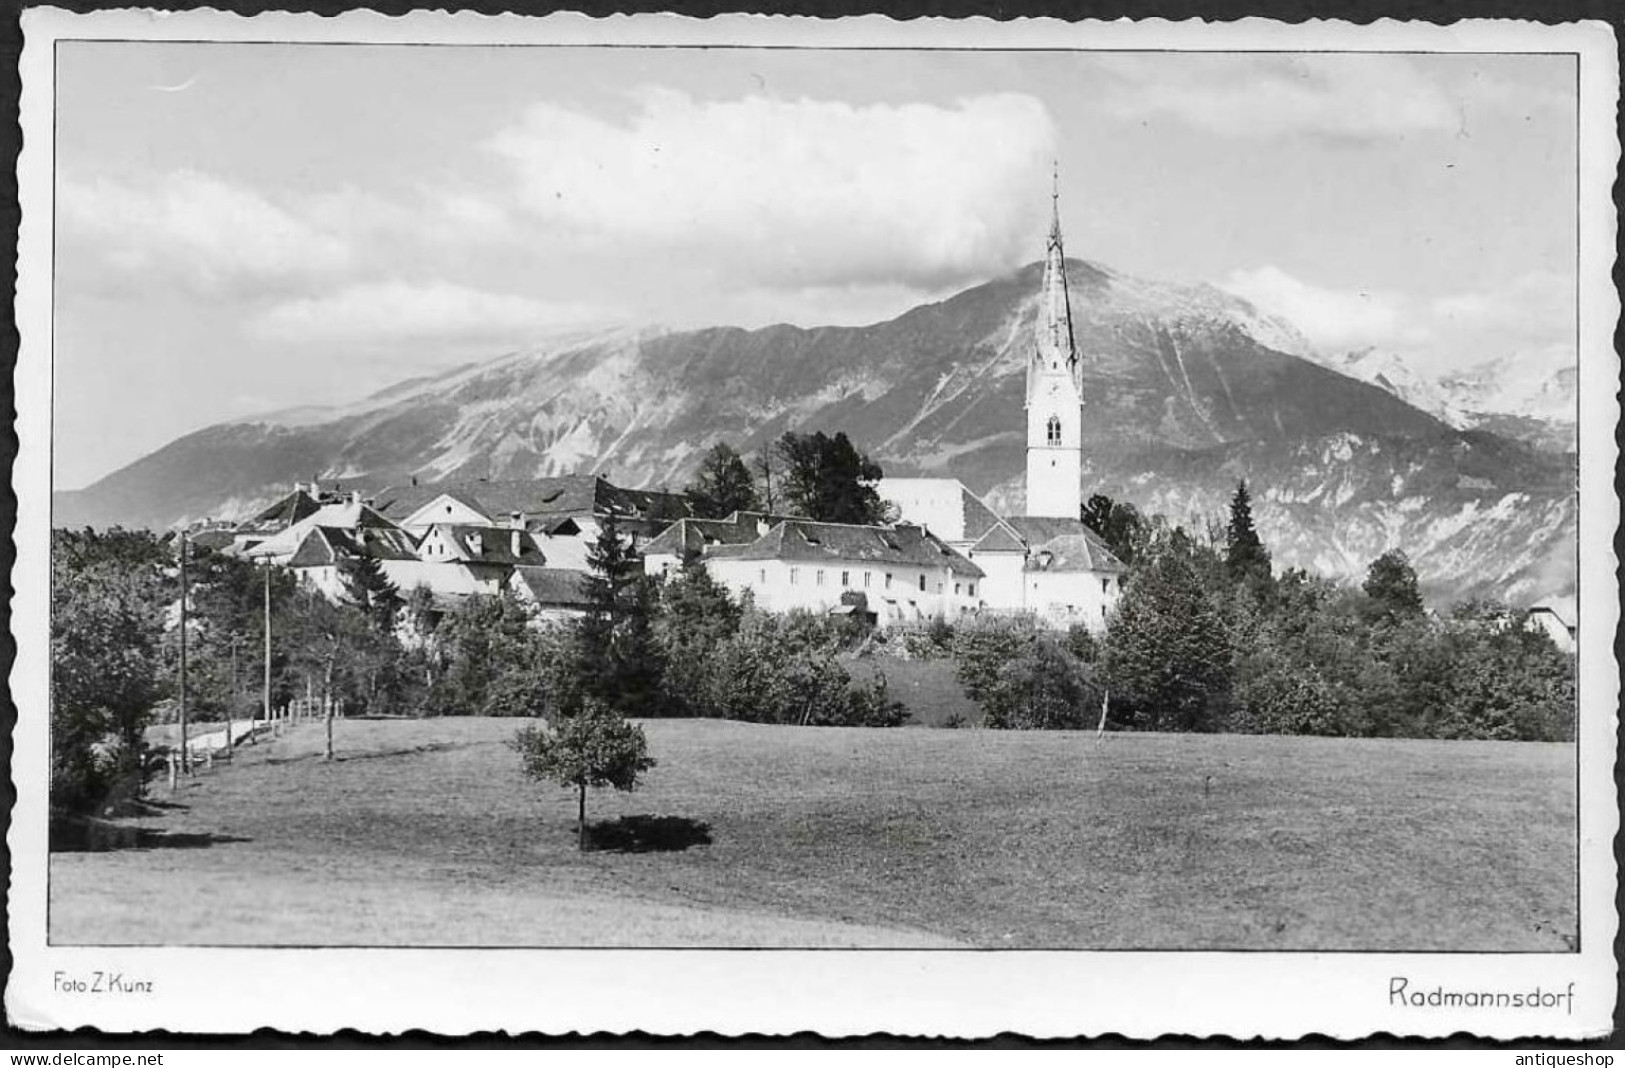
<point>516,520</point>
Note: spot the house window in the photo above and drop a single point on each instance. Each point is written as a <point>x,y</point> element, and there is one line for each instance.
<point>761,577</point>
<point>795,574</point>
<point>846,578</point>
<point>820,577</point>
<point>888,580</point>
<point>1054,430</point>
<point>973,589</point>
<point>1105,585</point>
<point>867,575</point>
<point>922,583</point>
<point>956,589</point>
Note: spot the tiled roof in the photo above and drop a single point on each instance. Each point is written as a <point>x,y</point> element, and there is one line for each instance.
<point>979,518</point>
<point>324,546</point>
<point>553,585</point>
<point>1073,552</point>
<point>495,544</point>
<point>702,535</point>
<point>559,495</point>
<point>804,540</point>
<point>281,515</point>
<point>1000,538</point>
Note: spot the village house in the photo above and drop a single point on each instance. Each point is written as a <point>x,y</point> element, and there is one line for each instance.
<point>1559,619</point>
<point>893,574</point>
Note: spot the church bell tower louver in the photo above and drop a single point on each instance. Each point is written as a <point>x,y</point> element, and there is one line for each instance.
<point>1054,393</point>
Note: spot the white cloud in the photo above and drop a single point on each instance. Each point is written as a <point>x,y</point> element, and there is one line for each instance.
<point>911,194</point>
<point>1362,97</point>
<point>196,230</point>
<point>1333,320</point>
<point>1530,316</point>
<point>404,312</point>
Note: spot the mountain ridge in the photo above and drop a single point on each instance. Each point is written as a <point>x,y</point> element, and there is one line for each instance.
<point>1181,394</point>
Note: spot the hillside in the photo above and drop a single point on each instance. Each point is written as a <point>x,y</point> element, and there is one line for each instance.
<point>1183,397</point>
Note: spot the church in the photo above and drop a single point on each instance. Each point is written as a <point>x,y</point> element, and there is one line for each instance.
<point>1045,562</point>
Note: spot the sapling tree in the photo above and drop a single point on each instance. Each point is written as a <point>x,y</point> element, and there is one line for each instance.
<point>595,747</point>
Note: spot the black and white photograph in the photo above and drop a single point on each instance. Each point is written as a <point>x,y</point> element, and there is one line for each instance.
<point>847,526</point>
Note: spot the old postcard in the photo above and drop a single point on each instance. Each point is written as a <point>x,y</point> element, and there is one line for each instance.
<point>777,525</point>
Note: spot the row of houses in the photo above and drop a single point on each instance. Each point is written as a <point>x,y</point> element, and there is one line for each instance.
<point>949,555</point>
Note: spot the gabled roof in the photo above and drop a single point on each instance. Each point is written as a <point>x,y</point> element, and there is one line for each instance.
<point>1051,544</point>
<point>341,515</point>
<point>558,495</point>
<point>1000,538</point>
<point>1073,552</point>
<point>325,546</point>
<point>553,585</point>
<point>281,515</point>
<point>495,544</point>
<point>701,535</point>
<point>979,518</point>
<point>835,543</point>
<point>1564,609</point>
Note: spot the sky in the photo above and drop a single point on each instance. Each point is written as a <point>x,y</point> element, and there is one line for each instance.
<point>247,228</point>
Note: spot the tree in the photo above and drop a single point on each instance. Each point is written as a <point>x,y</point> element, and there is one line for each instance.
<point>370,590</point>
<point>696,616</point>
<point>595,746</point>
<point>1391,585</point>
<point>617,658</point>
<point>1119,524</point>
<point>1043,688</point>
<point>108,594</point>
<point>723,485</point>
<point>495,663</point>
<point>1245,557</point>
<point>1167,652</point>
<point>828,480</point>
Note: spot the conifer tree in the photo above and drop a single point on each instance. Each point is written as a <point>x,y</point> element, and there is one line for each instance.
<point>1245,557</point>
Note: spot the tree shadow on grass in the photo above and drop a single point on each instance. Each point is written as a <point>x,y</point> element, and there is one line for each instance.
<point>102,836</point>
<point>648,834</point>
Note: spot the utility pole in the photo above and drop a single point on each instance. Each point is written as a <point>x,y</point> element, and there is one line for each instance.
<point>231,705</point>
<point>186,756</point>
<point>267,708</point>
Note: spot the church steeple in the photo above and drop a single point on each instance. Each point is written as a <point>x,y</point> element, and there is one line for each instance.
<point>1057,307</point>
<point>1054,393</point>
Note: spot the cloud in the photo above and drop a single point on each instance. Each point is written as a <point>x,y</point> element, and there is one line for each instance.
<point>1530,316</point>
<point>1333,320</point>
<point>1360,98</point>
<point>405,312</point>
<point>1536,309</point>
<point>196,230</point>
<point>904,194</point>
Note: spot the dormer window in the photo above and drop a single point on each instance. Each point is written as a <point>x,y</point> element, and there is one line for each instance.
<point>1054,430</point>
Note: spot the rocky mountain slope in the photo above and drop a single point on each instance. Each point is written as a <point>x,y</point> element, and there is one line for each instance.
<point>1184,396</point>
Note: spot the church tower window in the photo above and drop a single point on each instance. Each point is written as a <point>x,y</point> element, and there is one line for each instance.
<point>1054,430</point>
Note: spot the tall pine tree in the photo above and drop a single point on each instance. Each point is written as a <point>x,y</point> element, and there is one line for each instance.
<point>1245,557</point>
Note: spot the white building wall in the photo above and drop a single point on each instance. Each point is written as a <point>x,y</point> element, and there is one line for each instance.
<point>443,578</point>
<point>1068,597</point>
<point>1002,588</point>
<point>780,586</point>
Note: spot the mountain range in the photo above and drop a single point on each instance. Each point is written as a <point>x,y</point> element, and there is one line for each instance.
<point>1188,388</point>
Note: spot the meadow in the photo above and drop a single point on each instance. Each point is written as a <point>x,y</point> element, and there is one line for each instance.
<point>425,833</point>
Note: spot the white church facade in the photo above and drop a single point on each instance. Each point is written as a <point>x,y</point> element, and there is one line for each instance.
<point>1045,562</point>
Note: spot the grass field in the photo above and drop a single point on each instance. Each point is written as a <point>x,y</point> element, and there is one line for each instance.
<point>424,833</point>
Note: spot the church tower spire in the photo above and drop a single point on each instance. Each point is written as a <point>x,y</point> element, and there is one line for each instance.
<point>1054,396</point>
